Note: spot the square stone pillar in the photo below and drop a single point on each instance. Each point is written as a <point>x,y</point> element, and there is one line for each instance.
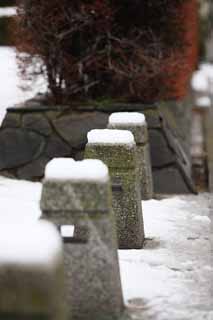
<point>136,123</point>
<point>31,272</point>
<point>77,198</point>
<point>117,149</point>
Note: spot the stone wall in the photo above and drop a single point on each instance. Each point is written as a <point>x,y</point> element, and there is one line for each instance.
<point>33,134</point>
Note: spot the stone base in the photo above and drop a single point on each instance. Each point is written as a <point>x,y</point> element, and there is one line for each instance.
<point>33,134</point>
<point>170,142</point>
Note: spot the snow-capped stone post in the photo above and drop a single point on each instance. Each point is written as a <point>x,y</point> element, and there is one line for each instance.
<point>31,272</point>
<point>77,198</point>
<point>117,149</point>
<point>136,123</point>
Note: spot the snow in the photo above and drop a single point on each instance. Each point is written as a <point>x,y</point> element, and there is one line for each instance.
<point>7,11</point>
<point>67,231</point>
<point>202,219</point>
<point>171,277</point>
<point>36,243</point>
<point>68,169</point>
<point>110,136</point>
<point>10,91</point>
<point>19,200</point>
<point>203,78</point>
<point>199,81</point>
<point>203,102</point>
<point>127,118</point>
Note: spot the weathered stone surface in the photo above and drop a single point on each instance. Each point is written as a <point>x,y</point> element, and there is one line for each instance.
<point>33,170</point>
<point>122,163</point>
<point>37,122</point>
<point>153,118</point>
<point>170,180</point>
<point>161,153</point>
<point>145,171</point>
<point>31,288</point>
<point>91,261</point>
<point>18,147</point>
<point>11,120</point>
<point>140,133</point>
<point>79,155</point>
<point>56,147</point>
<point>74,128</point>
<point>78,196</point>
<point>177,116</point>
<point>176,146</point>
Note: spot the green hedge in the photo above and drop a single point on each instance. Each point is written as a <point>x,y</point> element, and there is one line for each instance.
<point>4,32</point>
<point>7,3</point>
<point>4,23</point>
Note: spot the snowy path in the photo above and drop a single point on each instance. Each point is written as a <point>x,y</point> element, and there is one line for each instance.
<point>174,273</point>
<point>171,278</point>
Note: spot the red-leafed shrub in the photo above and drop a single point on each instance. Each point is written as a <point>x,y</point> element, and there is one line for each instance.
<point>115,49</point>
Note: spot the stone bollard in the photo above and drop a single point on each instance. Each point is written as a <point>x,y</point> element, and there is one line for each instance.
<point>77,198</point>
<point>117,149</point>
<point>136,123</point>
<point>31,272</point>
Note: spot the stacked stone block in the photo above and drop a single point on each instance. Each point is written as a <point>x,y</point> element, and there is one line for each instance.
<point>117,149</point>
<point>31,272</point>
<point>136,123</point>
<point>78,194</point>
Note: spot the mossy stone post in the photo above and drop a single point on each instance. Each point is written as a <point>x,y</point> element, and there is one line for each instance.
<point>77,196</point>
<point>136,123</point>
<point>31,272</point>
<point>117,149</point>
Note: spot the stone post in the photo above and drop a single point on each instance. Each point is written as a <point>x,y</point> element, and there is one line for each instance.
<point>77,198</point>
<point>31,272</point>
<point>136,123</point>
<point>117,149</point>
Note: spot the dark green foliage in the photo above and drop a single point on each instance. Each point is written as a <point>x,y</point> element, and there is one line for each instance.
<point>7,3</point>
<point>4,31</point>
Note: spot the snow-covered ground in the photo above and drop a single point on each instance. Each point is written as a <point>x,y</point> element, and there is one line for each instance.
<point>173,274</point>
<point>10,89</point>
<point>171,278</point>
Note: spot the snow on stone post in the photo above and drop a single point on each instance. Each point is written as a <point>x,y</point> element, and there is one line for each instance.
<point>136,123</point>
<point>77,198</point>
<point>117,149</point>
<point>31,272</point>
